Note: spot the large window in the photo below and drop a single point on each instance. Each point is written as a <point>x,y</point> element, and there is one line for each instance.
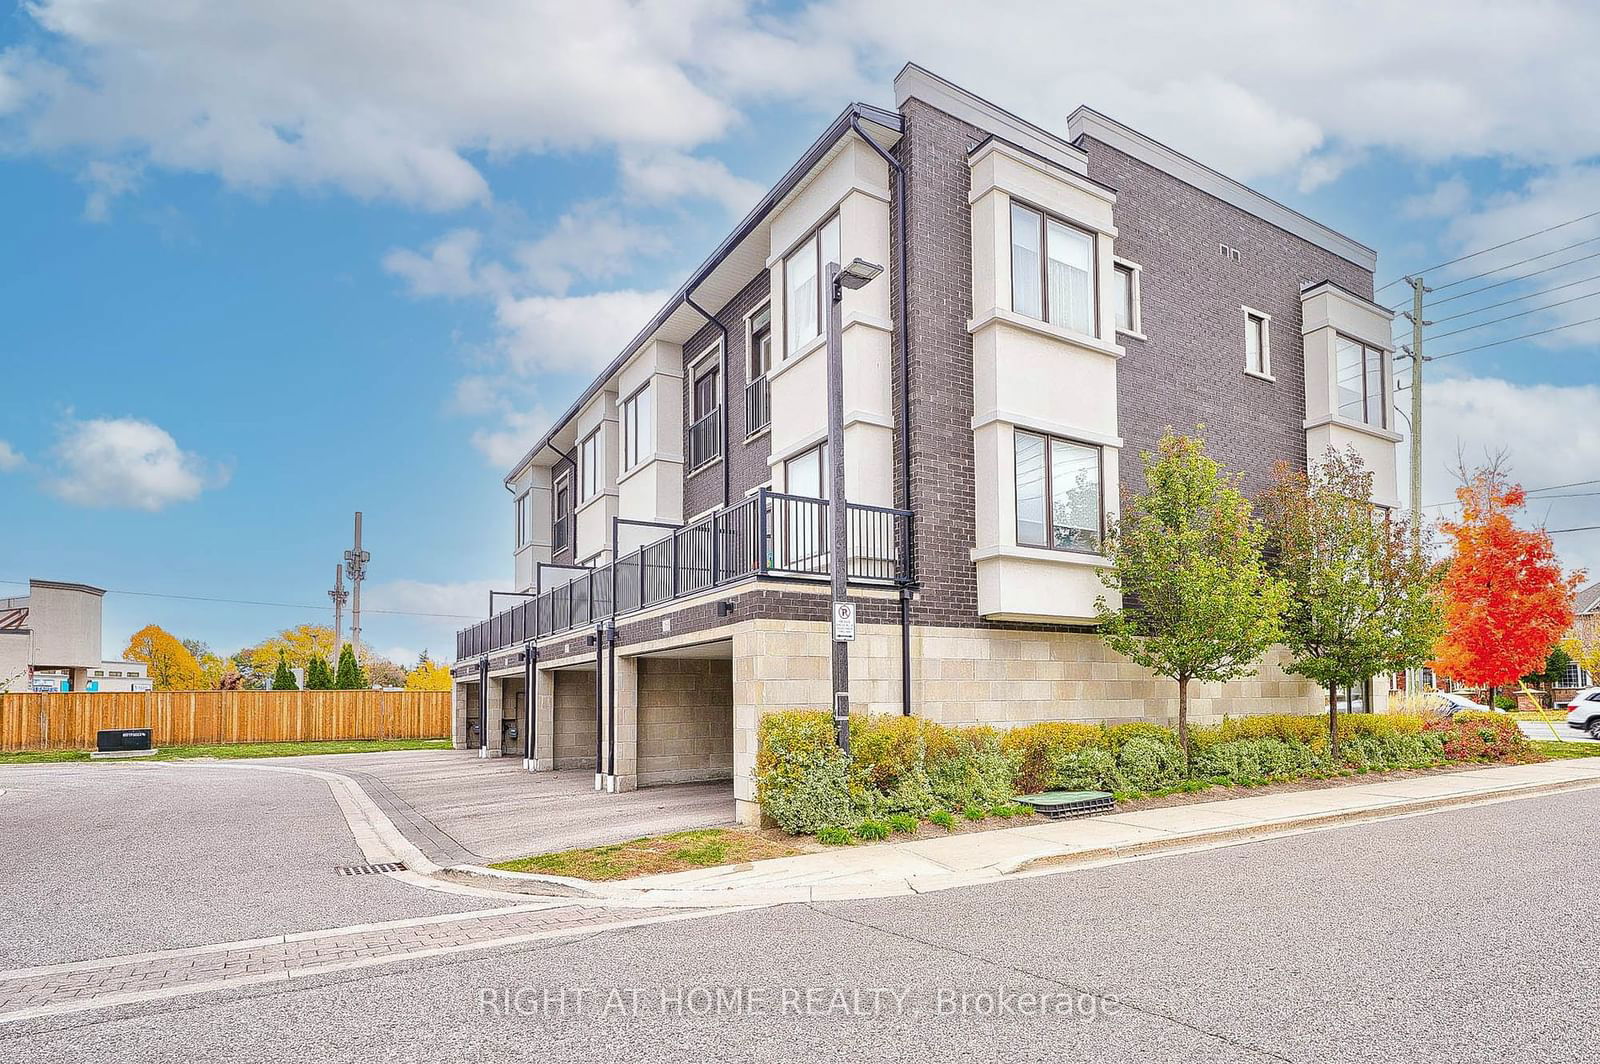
<point>637,441</point>
<point>1058,493</point>
<point>524,506</point>
<point>806,473</point>
<point>757,394</point>
<point>1052,270</point>
<point>705,409</point>
<point>1360,370</point>
<point>803,298</point>
<point>590,477</point>
<point>1257,343</point>
<point>562,511</point>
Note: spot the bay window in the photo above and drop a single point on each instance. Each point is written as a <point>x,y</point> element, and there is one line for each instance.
<point>1360,371</point>
<point>524,506</point>
<point>803,297</point>
<point>1058,493</point>
<point>1052,270</point>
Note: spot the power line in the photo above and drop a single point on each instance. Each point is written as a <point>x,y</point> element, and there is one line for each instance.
<point>1496,247</point>
<point>1519,262</point>
<point>1514,339</point>
<point>1515,299</point>
<point>1580,528</point>
<point>1518,314</point>
<point>1514,280</point>
<point>255,602</point>
<point>1529,491</point>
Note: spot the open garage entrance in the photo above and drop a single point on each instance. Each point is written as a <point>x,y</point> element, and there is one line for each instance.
<point>685,715</point>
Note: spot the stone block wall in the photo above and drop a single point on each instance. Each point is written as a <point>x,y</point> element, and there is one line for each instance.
<point>573,724</point>
<point>685,720</point>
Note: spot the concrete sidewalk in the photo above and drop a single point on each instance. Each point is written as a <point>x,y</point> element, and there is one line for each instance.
<point>1043,847</point>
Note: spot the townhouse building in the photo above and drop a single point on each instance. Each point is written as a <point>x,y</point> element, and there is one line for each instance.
<point>1051,302</point>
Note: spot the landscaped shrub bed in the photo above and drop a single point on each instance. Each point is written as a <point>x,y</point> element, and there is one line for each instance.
<point>907,770</point>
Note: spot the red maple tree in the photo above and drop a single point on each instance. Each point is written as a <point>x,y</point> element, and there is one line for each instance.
<point>1506,599</point>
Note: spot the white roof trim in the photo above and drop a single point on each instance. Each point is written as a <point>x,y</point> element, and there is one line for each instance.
<point>1087,121</point>
<point>953,100</point>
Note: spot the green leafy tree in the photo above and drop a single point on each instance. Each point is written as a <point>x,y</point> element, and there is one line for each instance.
<point>1197,601</point>
<point>349,676</point>
<point>318,676</point>
<point>1363,597</point>
<point>282,678</point>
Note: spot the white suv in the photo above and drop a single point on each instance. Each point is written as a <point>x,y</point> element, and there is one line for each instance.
<point>1583,712</point>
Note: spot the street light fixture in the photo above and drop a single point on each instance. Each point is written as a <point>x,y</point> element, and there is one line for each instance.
<point>856,275</point>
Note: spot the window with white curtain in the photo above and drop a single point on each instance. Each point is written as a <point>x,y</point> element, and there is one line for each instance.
<point>524,518</point>
<point>1360,370</point>
<point>803,272</point>
<point>636,428</point>
<point>1058,493</point>
<point>590,478</point>
<point>1058,285</point>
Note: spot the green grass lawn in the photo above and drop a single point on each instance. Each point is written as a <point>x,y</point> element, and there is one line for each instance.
<point>1556,749</point>
<point>238,750</point>
<point>676,852</point>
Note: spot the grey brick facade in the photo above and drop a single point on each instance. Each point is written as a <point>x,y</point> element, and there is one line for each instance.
<point>747,458</point>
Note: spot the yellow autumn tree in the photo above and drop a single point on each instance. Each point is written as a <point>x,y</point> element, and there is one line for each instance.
<point>298,645</point>
<point>170,664</point>
<point>428,676</point>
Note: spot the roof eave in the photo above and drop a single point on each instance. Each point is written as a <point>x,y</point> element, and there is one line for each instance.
<point>838,128</point>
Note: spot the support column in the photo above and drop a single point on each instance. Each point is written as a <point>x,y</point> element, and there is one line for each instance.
<point>748,682</point>
<point>493,711</point>
<point>622,745</point>
<point>544,720</point>
<point>458,714</point>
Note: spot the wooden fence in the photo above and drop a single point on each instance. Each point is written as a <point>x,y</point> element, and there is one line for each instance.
<point>68,721</point>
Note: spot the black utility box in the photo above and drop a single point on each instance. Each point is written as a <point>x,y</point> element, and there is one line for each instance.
<point>122,739</point>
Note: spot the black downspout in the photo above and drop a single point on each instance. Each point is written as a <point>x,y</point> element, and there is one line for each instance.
<point>611,702</point>
<point>599,704</point>
<point>530,660</point>
<point>483,707</point>
<point>723,329</point>
<point>901,324</point>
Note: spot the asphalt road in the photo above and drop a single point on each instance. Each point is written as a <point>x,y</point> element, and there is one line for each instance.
<point>102,860</point>
<point>1410,940</point>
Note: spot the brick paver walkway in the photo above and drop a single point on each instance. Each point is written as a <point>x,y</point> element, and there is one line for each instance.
<point>30,992</point>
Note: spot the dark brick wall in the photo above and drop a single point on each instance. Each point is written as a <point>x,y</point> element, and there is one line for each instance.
<point>1191,369</point>
<point>747,461</point>
<point>933,151</point>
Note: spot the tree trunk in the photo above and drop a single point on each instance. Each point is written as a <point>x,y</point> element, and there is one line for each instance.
<point>1333,723</point>
<point>1183,720</point>
<point>1489,698</point>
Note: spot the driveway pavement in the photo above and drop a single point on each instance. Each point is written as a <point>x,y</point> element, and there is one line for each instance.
<point>1378,942</point>
<point>1542,730</point>
<point>460,809</point>
<point>110,859</point>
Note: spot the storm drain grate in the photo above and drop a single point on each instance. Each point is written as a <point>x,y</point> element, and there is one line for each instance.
<point>370,869</point>
<point>1063,804</point>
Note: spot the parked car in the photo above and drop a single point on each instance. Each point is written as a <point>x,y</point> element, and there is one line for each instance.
<point>1451,704</point>
<point>1583,712</point>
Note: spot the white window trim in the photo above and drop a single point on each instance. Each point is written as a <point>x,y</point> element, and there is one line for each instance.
<point>583,466</point>
<point>1246,313</point>
<point>1136,322</point>
<point>750,335</point>
<point>524,526</point>
<point>623,436</point>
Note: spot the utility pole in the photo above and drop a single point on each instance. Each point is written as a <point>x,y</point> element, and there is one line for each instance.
<point>355,564</point>
<point>340,596</point>
<point>1417,322</point>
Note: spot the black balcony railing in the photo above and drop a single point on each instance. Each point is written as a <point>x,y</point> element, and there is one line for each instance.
<point>705,439</point>
<point>770,534</point>
<point>757,406</point>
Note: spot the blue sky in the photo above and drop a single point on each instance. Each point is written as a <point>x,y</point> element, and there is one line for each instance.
<point>270,264</point>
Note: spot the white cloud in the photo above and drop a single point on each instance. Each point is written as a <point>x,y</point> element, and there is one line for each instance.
<point>1549,436</point>
<point>385,101</point>
<point>10,458</point>
<point>590,242</point>
<point>572,333</point>
<point>517,431</point>
<point>449,268</point>
<point>128,463</point>
<point>664,176</point>
<point>1446,199</point>
<point>107,182</point>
